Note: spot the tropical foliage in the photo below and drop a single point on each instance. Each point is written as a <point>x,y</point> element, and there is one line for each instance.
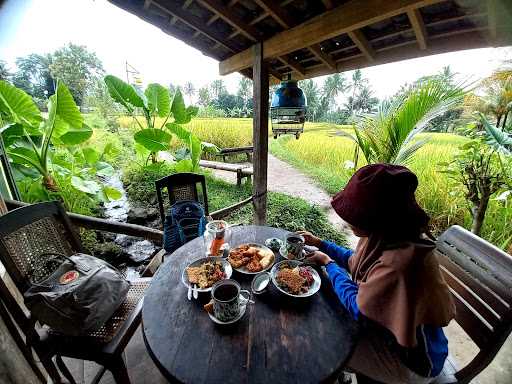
<point>387,136</point>
<point>33,142</point>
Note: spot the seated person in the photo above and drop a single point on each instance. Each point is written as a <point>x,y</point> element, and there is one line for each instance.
<point>391,283</point>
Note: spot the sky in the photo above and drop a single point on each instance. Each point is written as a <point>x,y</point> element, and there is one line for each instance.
<point>117,37</point>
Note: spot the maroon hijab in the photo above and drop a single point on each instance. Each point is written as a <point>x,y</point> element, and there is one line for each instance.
<point>400,284</point>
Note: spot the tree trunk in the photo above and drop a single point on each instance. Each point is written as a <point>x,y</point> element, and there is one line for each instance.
<point>498,120</point>
<point>478,212</point>
<point>504,121</point>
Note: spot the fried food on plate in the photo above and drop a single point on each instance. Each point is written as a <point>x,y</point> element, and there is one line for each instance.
<point>253,258</point>
<point>206,274</point>
<point>292,281</point>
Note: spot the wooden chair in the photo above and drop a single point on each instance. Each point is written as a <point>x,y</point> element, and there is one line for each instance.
<point>25,234</point>
<point>182,186</point>
<point>480,278</point>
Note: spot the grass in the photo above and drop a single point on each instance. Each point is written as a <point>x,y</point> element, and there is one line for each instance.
<point>284,211</point>
<point>322,154</point>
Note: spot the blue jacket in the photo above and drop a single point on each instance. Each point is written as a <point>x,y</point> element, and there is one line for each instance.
<point>427,358</point>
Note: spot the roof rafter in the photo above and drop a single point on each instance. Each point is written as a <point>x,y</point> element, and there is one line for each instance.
<point>231,18</point>
<point>418,27</point>
<point>195,23</point>
<point>274,10</point>
<point>362,43</point>
<point>294,64</point>
<point>342,19</point>
<point>324,57</point>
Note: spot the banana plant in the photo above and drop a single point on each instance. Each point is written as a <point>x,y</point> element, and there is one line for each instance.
<point>154,102</point>
<point>32,141</point>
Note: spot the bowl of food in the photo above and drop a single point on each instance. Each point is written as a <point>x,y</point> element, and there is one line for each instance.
<point>251,258</point>
<point>295,279</point>
<point>202,273</point>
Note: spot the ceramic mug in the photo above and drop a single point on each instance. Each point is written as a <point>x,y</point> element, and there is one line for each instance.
<point>294,246</point>
<point>228,297</point>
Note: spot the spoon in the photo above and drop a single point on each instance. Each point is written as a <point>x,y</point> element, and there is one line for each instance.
<point>189,293</point>
<point>195,292</point>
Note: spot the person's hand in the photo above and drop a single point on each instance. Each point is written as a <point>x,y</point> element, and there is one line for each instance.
<point>318,258</point>
<point>310,239</point>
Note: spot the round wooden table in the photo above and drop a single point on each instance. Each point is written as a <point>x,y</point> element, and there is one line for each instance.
<point>279,340</point>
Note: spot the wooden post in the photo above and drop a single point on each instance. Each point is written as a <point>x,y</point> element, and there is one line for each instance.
<point>3,208</point>
<point>260,135</point>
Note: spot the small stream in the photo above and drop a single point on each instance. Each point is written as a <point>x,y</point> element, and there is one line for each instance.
<point>117,210</point>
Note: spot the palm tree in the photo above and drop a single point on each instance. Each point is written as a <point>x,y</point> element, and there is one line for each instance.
<point>311,92</point>
<point>364,102</point>
<point>333,86</point>
<point>386,136</point>
<point>189,90</point>
<point>218,88</point>
<point>245,90</point>
<point>357,83</point>
<point>4,71</point>
<point>205,98</point>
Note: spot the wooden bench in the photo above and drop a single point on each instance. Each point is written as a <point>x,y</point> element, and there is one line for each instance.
<point>225,152</point>
<point>480,278</point>
<point>241,170</point>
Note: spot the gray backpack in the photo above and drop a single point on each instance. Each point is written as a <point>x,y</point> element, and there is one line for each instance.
<point>79,296</point>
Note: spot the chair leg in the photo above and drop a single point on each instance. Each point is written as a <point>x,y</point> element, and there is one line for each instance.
<point>52,370</point>
<point>64,369</point>
<point>119,370</point>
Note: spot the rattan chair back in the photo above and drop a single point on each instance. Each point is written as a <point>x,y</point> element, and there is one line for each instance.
<point>181,186</point>
<point>28,235</point>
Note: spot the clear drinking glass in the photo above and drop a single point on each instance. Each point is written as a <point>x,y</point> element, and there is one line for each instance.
<point>216,238</point>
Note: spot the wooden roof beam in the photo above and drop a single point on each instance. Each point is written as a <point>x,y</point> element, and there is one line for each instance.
<point>231,18</point>
<point>418,27</point>
<point>342,19</point>
<point>216,16</point>
<point>275,11</point>
<point>293,64</point>
<point>191,21</point>
<point>322,56</point>
<point>437,45</point>
<point>362,43</point>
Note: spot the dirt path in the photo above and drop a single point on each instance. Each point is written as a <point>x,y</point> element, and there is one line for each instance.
<point>284,178</point>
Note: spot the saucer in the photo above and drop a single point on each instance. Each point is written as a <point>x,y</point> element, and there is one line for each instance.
<point>243,308</point>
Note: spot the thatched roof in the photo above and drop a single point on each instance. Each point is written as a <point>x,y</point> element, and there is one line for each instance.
<point>315,37</point>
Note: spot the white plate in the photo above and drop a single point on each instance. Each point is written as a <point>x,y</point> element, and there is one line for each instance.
<point>262,247</point>
<point>315,287</point>
<point>243,308</point>
<point>196,263</point>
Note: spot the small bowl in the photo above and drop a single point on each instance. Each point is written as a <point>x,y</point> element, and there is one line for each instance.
<point>260,283</point>
<point>274,243</point>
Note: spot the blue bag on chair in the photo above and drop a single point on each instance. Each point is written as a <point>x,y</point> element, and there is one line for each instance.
<point>185,221</point>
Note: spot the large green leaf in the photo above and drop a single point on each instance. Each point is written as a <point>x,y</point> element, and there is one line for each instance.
<point>67,109</point>
<point>497,138</point>
<point>91,155</point>
<point>123,93</point>
<point>109,193</point>
<point>18,105</point>
<point>25,156</point>
<point>184,166</point>
<point>104,169</point>
<point>11,133</point>
<point>159,100</point>
<point>180,132</point>
<point>88,186</point>
<point>153,139</point>
<point>179,111</point>
<point>76,136</point>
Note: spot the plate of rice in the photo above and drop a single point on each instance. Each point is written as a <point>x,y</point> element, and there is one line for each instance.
<point>295,279</point>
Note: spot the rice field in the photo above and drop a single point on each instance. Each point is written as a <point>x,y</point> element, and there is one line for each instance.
<point>323,154</point>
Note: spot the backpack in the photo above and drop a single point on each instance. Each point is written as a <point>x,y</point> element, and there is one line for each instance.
<point>185,221</point>
<point>79,296</point>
